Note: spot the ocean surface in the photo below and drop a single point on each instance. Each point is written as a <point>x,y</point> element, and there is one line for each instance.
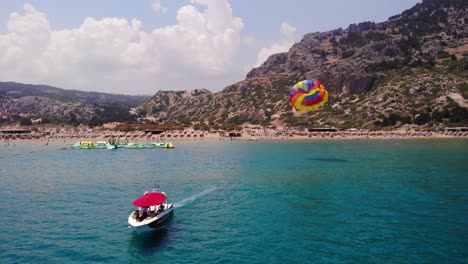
<point>371,201</point>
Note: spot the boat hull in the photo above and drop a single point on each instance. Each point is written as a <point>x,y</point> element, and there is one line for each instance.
<point>151,224</point>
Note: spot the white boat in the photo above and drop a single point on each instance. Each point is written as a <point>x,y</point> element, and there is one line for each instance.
<point>152,213</point>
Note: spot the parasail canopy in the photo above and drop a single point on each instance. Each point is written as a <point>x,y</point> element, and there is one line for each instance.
<point>308,95</point>
<point>150,199</point>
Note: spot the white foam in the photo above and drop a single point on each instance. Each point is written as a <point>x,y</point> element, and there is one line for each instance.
<point>193,198</point>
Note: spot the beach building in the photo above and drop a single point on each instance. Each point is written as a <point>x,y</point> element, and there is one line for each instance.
<point>318,129</point>
<point>234,134</point>
<point>456,129</point>
<point>153,131</point>
<point>14,131</point>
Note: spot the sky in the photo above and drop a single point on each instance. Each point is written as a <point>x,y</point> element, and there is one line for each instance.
<point>139,47</point>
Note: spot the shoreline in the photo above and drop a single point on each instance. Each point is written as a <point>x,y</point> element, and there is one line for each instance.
<point>138,138</point>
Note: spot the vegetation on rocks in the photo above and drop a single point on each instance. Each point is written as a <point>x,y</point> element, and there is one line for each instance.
<point>411,69</point>
<point>53,105</point>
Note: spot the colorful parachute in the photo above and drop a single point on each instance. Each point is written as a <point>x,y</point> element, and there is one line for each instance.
<point>308,95</point>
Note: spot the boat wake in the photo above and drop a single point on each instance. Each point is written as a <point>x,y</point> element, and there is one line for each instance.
<point>193,198</point>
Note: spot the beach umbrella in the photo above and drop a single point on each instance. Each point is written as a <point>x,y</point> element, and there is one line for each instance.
<point>150,199</point>
<point>308,95</point>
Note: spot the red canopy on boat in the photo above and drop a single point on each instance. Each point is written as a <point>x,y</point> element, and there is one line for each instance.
<point>150,199</point>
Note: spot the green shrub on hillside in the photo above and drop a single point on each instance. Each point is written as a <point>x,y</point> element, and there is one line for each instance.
<point>238,120</point>
<point>201,126</point>
<point>347,53</point>
<point>393,119</point>
<point>24,121</point>
<point>463,87</point>
<point>296,121</point>
<point>459,115</point>
<point>422,119</point>
<point>457,66</point>
<point>354,39</point>
<point>375,36</point>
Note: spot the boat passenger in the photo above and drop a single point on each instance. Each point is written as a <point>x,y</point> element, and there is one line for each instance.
<point>143,213</point>
<point>161,208</point>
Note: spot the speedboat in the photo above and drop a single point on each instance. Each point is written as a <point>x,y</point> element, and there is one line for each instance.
<point>152,213</point>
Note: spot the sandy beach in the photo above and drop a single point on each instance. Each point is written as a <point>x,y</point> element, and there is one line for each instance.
<point>69,137</point>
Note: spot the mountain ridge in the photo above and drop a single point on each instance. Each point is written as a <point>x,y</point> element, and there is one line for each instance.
<point>52,104</point>
<point>410,69</point>
<point>75,95</point>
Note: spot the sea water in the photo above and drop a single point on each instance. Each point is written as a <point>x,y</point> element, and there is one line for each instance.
<point>389,201</point>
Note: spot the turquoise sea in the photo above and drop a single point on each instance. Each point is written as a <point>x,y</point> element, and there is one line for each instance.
<point>389,201</point>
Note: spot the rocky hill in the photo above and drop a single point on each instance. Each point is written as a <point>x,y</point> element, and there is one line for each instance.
<point>411,69</point>
<point>58,105</point>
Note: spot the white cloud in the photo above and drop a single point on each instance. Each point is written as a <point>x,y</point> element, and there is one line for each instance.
<point>287,40</point>
<point>158,7</point>
<point>249,41</point>
<point>116,55</point>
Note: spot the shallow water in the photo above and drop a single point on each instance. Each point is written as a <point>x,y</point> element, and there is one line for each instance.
<point>239,201</point>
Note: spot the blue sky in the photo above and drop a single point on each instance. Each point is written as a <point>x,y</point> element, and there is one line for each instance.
<point>180,45</point>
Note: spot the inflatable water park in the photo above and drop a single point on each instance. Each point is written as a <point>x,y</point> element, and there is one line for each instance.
<point>118,143</point>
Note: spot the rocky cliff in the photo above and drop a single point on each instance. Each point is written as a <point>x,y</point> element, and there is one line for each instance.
<point>409,69</point>
<point>58,105</point>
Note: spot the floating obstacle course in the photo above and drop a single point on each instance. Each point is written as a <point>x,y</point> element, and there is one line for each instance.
<point>118,143</point>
